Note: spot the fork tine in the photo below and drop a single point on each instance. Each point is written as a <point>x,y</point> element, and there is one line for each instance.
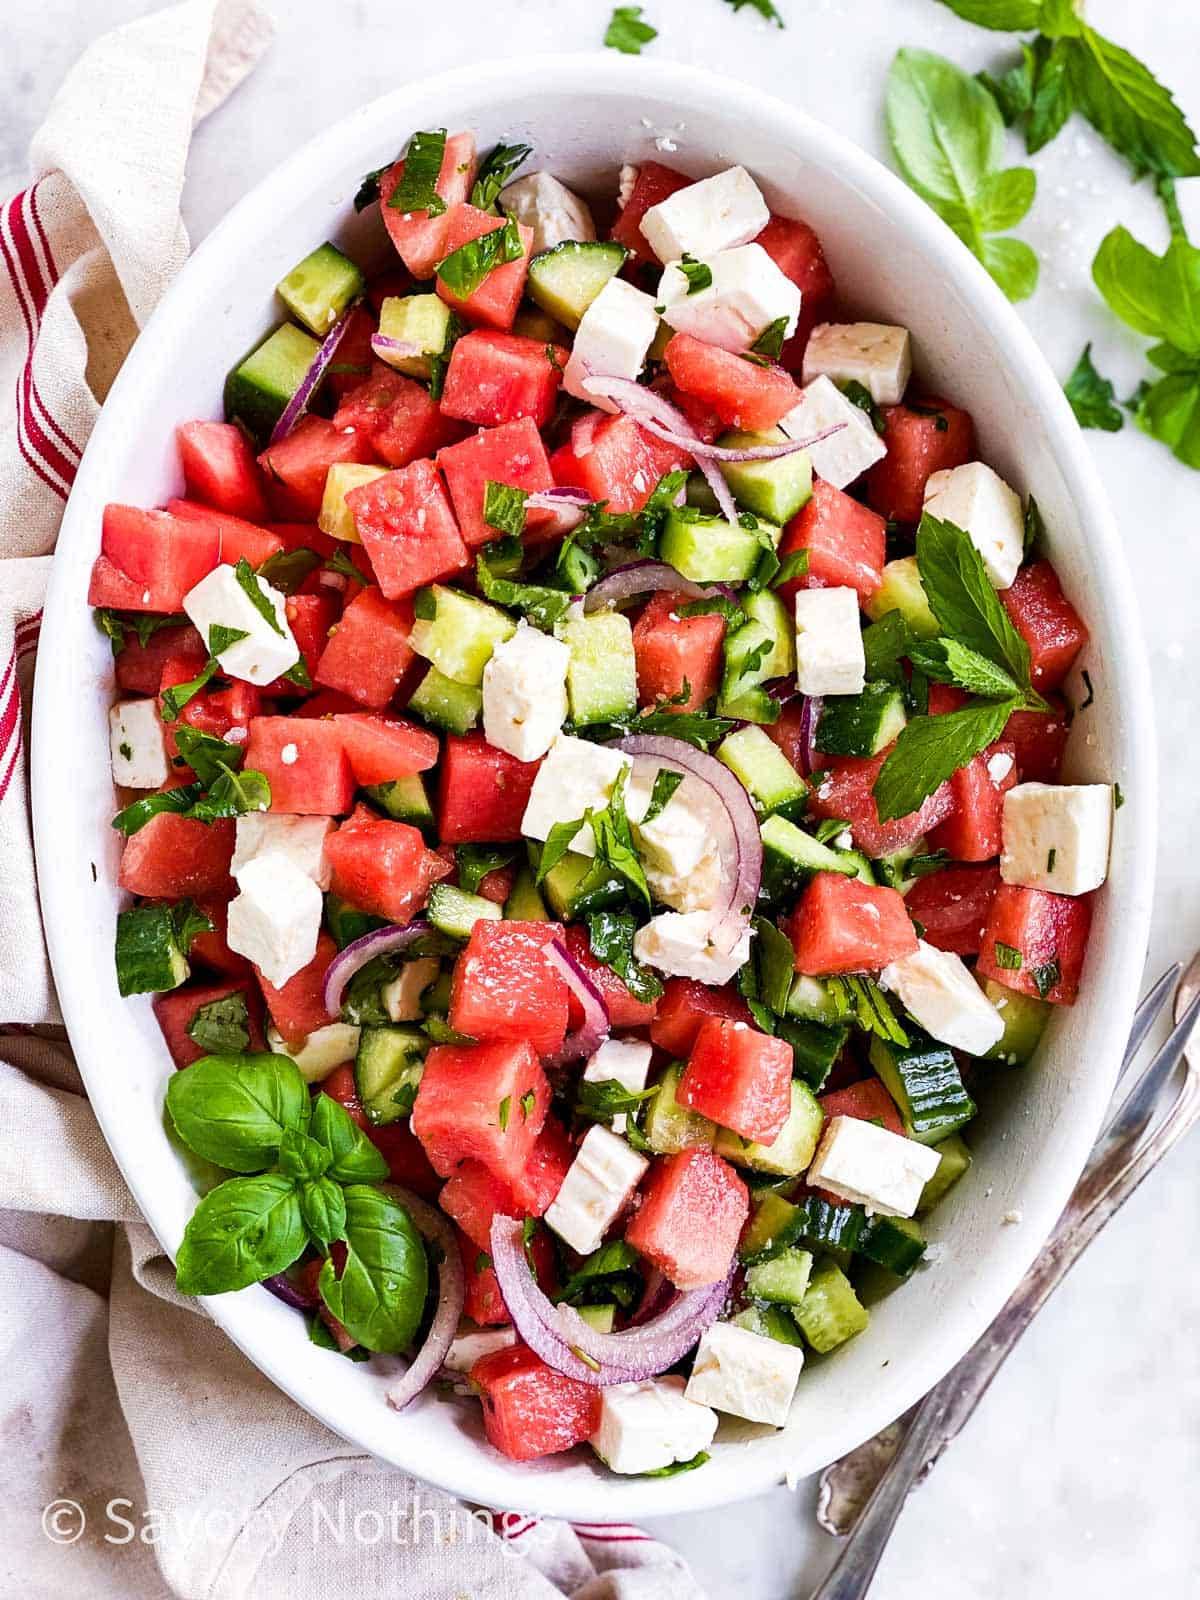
<point>1136,1109</point>
<point>1148,1010</point>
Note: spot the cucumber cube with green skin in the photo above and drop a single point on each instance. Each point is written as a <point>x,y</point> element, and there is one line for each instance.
<point>389,1063</point>
<point>811,1001</point>
<point>774,1224</point>
<point>461,634</point>
<point>709,549</point>
<point>792,1149</point>
<point>258,389</point>
<point>741,694</point>
<point>861,724</point>
<point>923,1079</point>
<point>815,1047</point>
<point>404,800</point>
<point>1024,1017</point>
<point>791,857</point>
<point>455,912</point>
<point>148,957</point>
<point>896,1243</point>
<point>670,1127</point>
<point>335,517</point>
<point>565,279</point>
<point>599,1317</point>
<point>956,1158</point>
<point>420,319</point>
<point>773,489</point>
<point>830,1312</point>
<point>531,322</point>
<point>452,707</point>
<point>320,288</point>
<point>772,782</point>
<point>782,1279</point>
<point>769,1322</point>
<point>564,888</point>
<point>524,903</point>
<point>903,591</point>
<point>602,671</point>
<point>765,607</point>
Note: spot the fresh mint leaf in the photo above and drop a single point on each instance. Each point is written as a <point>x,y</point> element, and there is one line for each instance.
<point>885,644</point>
<point>115,625</point>
<point>258,597</point>
<point>609,1273</point>
<point>504,508</point>
<point>1008,957</point>
<point>379,1293</point>
<point>540,604</point>
<point>765,9</point>
<point>716,605</point>
<point>1091,396</point>
<point>929,750</point>
<point>299,675</point>
<point>221,638</point>
<point>189,922</point>
<point>178,695</point>
<point>175,802</point>
<point>286,570</point>
<point>475,861</point>
<point>464,269</point>
<point>701,1456</point>
<point>698,273</point>
<point>626,32</point>
<point>610,939</point>
<point>417,189</point>
<point>1013,91</point>
<point>859,395</point>
<point>770,341</point>
<point>495,170</point>
<point>962,598</point>
<point>1013,16</point>
<point>222,1027</point>
<point>1053,95</point>
<point>602,1101</point>
<point>793,565</point>
<point>949,661</point>
<point>654,513</point>
<point>1127,105</point>
<point>243,1231</point>
<point>233,794</point>
<point>1035,528</point>
<point>368,188</point>
<point>207,755</point>
<point>234,1109</point>
<point>1046,977</point>
<point>861,1002</point>
<point>665,784</point>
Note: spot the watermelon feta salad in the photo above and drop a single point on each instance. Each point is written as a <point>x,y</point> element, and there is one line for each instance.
<point>589,741</point>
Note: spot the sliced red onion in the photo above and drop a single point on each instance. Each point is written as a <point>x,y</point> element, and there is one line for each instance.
<point>379,942</point>
<point>644,577</point>
<point>572,1346</point>
<point>568,507</point>
<point>389,349</point>
<point>781,690</point>
<point>283,1288</point>
<point>657,1295</point>
<point>741,849</point>
<point>810,717</point>
<point>298,404</point>
<point>587,1038</point>
<point>427,1363</point>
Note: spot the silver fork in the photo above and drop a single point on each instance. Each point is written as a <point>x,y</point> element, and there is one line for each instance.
<point>878,1476</point>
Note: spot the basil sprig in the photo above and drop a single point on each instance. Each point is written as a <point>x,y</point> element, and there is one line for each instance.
<point>417,189</point>
<point>464,269</point>
<point>626,31</point>
<point>495,170</point>
<point>1091,396</point>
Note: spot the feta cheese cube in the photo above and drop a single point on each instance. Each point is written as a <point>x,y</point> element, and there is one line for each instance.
<point>871,353</point>
<point>137,745</point>
<point>745,1373</point>
<point>599,1181</point>
<point>939,991</point>
<point>678,944</point>
<point>718,213</point>
<point>539,201</point>
<point>872,1166</point>
<point>829,647</point>
<point>845,455</point>
<point>402,997</point>
<point>525,693</point>
<point>748,292</point>
<point>688,891</point>
<point>324,1049</point>
<point>267,651</point>
<point>645,1426</point>
<point>300,839</point>
<point>1056,836</point>
<point>575,777</point>
<point>626,179</point>
<point>468,1348</point>
<point>681,833</point>
<point>612,341</point>
<point>275,919</point>
<point>623,1061</point>
<point>977,500</point>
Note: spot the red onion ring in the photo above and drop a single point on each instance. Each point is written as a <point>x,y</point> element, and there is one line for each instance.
<point>810,717</point>
<point>645,577</point>
<point>298,404</point>
<point>385,346</point>
<point>656,1296</point>
<point>588,1038</point>
<point>427,1362</point>
<point>379,942</point>
<point>557,1333</point>
<point>567,506</point>
<point>282,1287</point>
<point>741,852</point>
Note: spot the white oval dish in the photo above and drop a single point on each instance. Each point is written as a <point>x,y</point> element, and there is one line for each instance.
<point>892,259</point>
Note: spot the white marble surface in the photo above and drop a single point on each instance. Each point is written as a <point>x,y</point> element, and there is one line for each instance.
<point>1080,1472</point>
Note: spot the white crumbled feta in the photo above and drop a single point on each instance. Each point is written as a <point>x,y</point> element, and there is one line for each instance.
<point>718,213</point>
<point>575,777</point>
<point>845,455</point>
<point>978,501</point>
<point>539,201</point>
<point>599,1181</point>
<point>289,755</point>
<point>612,341</point>
<point>871,1166</point>
<point>402,997</point>
<point>275,918</point>
<point>829,648</point>
<point>745,1374</point>
<point>696,890</point>
<point>647,1426</point>
<point>678,944</point>
<point>525,693</point>
<point>682,832</point>
<point>623,1061</point>
<point>266,652</point>
<point>1057,836</point>
<point>300,839</point>
<point>626,179</point>
<point>137,745</point>
<point>938,989</point>
<point>871,353</point>
<point>747,294</point>
<point>471,1346</point>
<point>999,766</point>
<point>323,1050</point>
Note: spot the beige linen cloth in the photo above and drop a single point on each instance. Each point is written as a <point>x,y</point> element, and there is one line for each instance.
<point>142,1455</point>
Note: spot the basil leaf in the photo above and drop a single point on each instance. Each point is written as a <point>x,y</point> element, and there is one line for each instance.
<point>665,785</point>
<point>245,1230</point>
<point>207,755</point>
<point>379,1296</point>
<point>770,341</point>
<point>497,167</point>
<point>929,750</point>
<point>323,1207</point>
<point>504,508</point>
<point>417,189</point>
<point>233,795</point>
<point>175,802</point>
<point>949,661</point>
<point>221,638</point>
<point>885,644</point>
<point>626,33</point>
<point>177,696</point>
<point>251,586</point>
<point>1013,91</point>
<point>962,598</point>
<point>235,1109</point>
<point>1156,295</point>
<point>353,1158</point>
<point>698,273</point>
<point>149,957</point>
<point>765,9</point>
<point>1169,411</point>
<point>1091,396</point>
<point>222,1027</point>
<point>320,1335</point>
<point>1013,264</point>
<point>475,861</point>
<point>701,1456</point>
<point>1011,15</point>
<point>302,1157</point>
<point>464,269</point>
<point>610,939</point>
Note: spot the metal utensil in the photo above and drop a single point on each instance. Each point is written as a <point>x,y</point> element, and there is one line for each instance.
<point>1124,1154</point>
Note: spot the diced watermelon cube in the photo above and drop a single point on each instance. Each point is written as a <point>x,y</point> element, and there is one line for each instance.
<point>493,378</point>
<point>408,529</point>
<point>614,462</point>
<point>304,762</point>
<point>512,453</point>
<point>1049,932</point>
<point>953,906</point>
<point>397,414</point>
<point>1040,740</point>
<point>393,281</point>
<point>972,830</point>
<point>497,885</point>
<point>542,1177</point>
<point>624,1011</point>
<point>494,303</point>
<point>382,866</point>
<point>149,559</point>
<point>214,711</point>
<point>472,1196</point>
<point>693,1209</point>
<point>672,651</point>
<point>239,539</point>
<point>297,466</point>
<point>173,856</point>
<point>212,949</point>
<point>846,543</point>
<point>529,1410</point>
<point>867,1100</point>
<point>298,1007</point>
<point>685,1006</point>
<point>483,1302</point>
<point>654,183</point>
<point>355,358</point>
<point>920,441</point>
<point>483,792</point>
<point>796,251</point>
<point>844,789</point>
<point>742,394</point>
<point>175,1010</point>
<point>405,1155</point>
<point>368,652</point>
<point>139,667</point>
<point>418,237</point>
<point>789,733</point>
<point>844,925</point>
<point>1047,621</point>
<point>307,536</point>
<point>467,1092</point>
<point>310,617</point>
<point>504,988</point>
<point>219,468</point>
<point>740,1078</point>
<point>382,749</point>
<point>339,1085</point>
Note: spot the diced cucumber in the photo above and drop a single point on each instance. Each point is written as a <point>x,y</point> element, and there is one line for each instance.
<point>815,1047</point>
<point>259,388</point>
<point>437,998</point>
<point>861,864</point>
<point>1024,1017</point>
<point>903,591</point>
<point>769,1322</point>
<point>531,322</point>
<point>791,857</point>
<point>670,1127</point>
<point>956,1158</point>
<point>774,1224</point>
<point>709,549</point>
<point>811,1001</point>
<point>772,489</point>
<point>460,634</point>
<point>770,779</point>
<point>599,1317</point>
<point>924,1081</point>
<point>453,707</point>
<point>741,694</point>
<point>663,335</point>
<point>455,912</point>
<point>346,922</point>
<point>896,1243</point>
<point>830,1225</point>
<point>565,279</point>
<point>524,903</point>
<point>387,1070</point>
<point>320,288</point>
<point>893,870</point>
<point>335,517</point>
<point>793,1147</point>
<point>563,889</point>
<point>420,319</point>
<point>861,724</point>
<point>782,1278</point>
<point>404,800</point>
<point>698,492</point>
<point>602,671</point>
<point>830,1312</point>
<point>767,608</point>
